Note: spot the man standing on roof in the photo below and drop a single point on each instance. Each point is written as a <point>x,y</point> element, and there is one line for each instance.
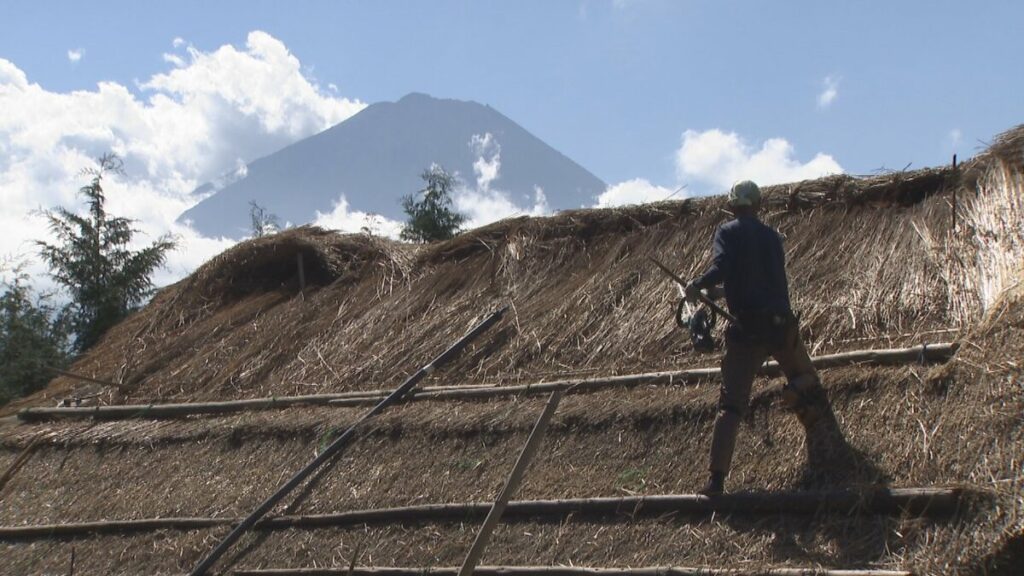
<point>749,261</point>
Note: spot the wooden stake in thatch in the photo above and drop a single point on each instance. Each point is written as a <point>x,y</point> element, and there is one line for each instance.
<point>956,184</point>
<point>511,485</point>
<point>341,442</point>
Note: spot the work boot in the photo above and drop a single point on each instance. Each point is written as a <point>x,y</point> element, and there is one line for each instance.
<point>715,485</point>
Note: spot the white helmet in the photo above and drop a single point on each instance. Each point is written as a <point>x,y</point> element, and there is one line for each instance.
<point>744,193</point>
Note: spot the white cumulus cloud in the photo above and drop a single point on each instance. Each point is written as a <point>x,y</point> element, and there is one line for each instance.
<point>710,161</point>
<point>484,203</point>
<point>488,162</point>
<point>174,59</point>
<point>713,160</point>
<point>635,191</point>
<point>485,206</point>
<point>75,55</point>
<point>345,219</point>
<point>204,117</point>
<point>264,81</point>
<point>829,91</point>
<point>956,136</point>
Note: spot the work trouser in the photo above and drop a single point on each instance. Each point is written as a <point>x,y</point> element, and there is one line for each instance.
<point>744,355</point>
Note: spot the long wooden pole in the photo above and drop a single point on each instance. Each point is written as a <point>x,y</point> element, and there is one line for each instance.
<point>956,184</point>
<point>74,376</point>
<point>19,462</point>
<point>927,352</point>
<point>341,442</point>
<point>476,551</point>
<point>564,571</point>
<point>700,295</point>
<point>172,409</point>
<point>880,501</point>
<point>923,353</point>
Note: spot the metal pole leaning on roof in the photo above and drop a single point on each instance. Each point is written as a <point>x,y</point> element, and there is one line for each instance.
<point>340,443</point>
<point>514,478</point>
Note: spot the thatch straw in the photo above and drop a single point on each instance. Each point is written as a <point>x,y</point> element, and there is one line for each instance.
<point>585,300</point>
<point>872,261</point>
<point>922,354</point>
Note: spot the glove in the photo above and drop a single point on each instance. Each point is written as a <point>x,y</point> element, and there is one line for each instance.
<point>691,292</point>
<point>715,292</point>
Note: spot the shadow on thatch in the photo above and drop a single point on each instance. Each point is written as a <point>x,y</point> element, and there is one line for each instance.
<point>1007,560</point>
<point>833,462</point>
<point>830,461</point>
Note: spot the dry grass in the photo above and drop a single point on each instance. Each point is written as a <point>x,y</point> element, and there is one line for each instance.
<point>653,442</point>
<point>872,262</point>
<point>585,299</point>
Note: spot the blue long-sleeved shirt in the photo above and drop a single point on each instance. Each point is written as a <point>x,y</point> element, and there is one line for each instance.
<point>748,258</point>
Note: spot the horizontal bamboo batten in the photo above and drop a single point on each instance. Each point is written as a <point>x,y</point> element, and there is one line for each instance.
<point>923,353</point>
<point>898,501</point>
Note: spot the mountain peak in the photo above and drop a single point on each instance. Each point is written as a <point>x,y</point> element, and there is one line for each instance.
<point>417,97</point>
<point>423,99</point>
<point>375,157</point>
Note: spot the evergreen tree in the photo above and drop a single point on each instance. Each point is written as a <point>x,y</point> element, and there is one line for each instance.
<point>33,336</point>
<point>263,222</point>
<point>431,217</point>
<point>92,259</point>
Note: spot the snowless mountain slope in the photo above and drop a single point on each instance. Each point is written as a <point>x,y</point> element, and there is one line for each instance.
<point>377,156</point>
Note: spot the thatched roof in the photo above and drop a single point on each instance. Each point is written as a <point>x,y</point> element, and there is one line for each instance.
<point>873,262</point>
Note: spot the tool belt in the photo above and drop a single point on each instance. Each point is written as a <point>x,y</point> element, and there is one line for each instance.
<point>762,327</point>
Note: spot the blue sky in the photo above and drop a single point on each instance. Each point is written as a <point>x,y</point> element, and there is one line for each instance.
<point>647,94</point>
<point>611,84</point>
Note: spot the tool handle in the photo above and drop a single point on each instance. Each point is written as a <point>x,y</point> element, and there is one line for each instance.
<point>700,295</point>
<point>721,311</point>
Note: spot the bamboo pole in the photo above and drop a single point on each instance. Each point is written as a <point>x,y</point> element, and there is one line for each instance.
<point>174,410</point>
<point>956,184</point>
<point>896,356</point>
<point>476,551</point>
<point>564,571</point>
<point>341,442</point>
<point>700,295</point>
<point>98,527</point>
<point>922,353</point>
<point>74,376</point>
<point>880,501</point>
<point>19,462</point>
